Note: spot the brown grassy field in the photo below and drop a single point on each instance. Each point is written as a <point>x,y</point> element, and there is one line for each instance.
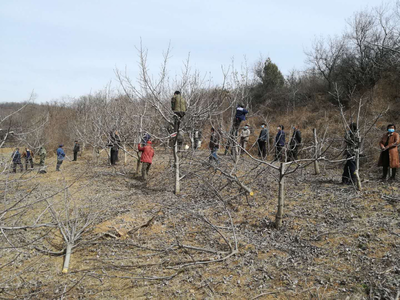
<point>336,243</point>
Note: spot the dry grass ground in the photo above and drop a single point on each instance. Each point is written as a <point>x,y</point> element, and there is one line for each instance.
<point>335,243</point>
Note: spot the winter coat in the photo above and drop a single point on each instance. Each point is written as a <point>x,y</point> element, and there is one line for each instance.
<point>214,141</point>
<point>244,136</point>
<point>178,104</point>
<point>280,138</point>
<point>392,148</point>
<point>60,154</point>
<point>42,151</point>
<point>28,154</point>
<point>16,156</point>
<point>241,113</point>
<point>114,141</point>
<point>296,139</point>
<point>351,144</point>
<point>264,135</point>
<point>147,155</point>
<point>77,148</point>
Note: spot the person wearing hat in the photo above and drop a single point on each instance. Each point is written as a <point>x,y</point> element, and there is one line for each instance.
<point>60,156</point>
<point>280,141</point>
<point>146,158</point>
<point>244,137</point>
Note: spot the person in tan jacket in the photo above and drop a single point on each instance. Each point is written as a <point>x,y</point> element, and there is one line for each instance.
<point>389,157</point>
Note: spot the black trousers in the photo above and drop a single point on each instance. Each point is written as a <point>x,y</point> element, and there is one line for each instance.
<point>278,153</point>
<point>386,165</point>
<point>113,156</point>
<point>262,148</point>
<point>348,173</point>
<point>293,154</point>
<point>75,156</point>
<point>28,161</point>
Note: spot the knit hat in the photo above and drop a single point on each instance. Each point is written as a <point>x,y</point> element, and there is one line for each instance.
<point>149,142</point>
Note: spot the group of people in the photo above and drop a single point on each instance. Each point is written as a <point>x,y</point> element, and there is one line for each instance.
<point>262,140</point>
<point>28,156</point>
<point>389,158</point>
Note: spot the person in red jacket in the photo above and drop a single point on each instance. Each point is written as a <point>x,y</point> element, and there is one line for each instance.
<point>146,158</point>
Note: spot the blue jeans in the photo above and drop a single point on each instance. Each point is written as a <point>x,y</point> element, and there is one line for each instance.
<point>213,155</point>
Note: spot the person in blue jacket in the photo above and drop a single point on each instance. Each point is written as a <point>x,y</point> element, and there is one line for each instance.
<point>60,156</point>
<point>16,158</point>
<point>280,140</point>
<point>240,116</point>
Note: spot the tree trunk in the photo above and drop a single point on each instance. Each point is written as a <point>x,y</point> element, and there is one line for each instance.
<point>67,258</point>
<point>125,155</point>
<point>176,165</point>
<point>281,196</point>
<point>316,164</point>
<point>94,154</point>
<point>357,172</point>
<point>139,164</point>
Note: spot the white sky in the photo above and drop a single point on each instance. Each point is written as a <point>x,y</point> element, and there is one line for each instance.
<point>70,48</point>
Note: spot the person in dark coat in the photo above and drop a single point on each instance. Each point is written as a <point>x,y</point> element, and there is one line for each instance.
<point>60,157</point>
<point>214,145</point>
<point>114,143</point>
<point>295,143</point>
<point>240,116</point>
<point>280,141</point>
<point>28,155</point>
<point>146,158</point>
<point>262,141</point>
<point>389,157</point>
<point>16,159</point>
<point>349,176</point>
<point>77,148</point>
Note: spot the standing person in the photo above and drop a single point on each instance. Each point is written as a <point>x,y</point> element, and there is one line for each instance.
<point>295,143</point>
<point>196,139</point>
<point>42,153</point>
<point>16,159</point>
<point>114,142</point>
<point>214,145</point>
<point>60,156</point>
<point>244,137</point>
<point>146,158</point>
<point>262,141</point>
<point>389,157</point>
<point>280,141</point>
<point>28,155</point>
<point>77,148</point>
<point>349,176</point>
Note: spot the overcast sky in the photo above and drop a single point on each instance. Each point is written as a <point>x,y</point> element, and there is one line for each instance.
<point>71,48</point>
